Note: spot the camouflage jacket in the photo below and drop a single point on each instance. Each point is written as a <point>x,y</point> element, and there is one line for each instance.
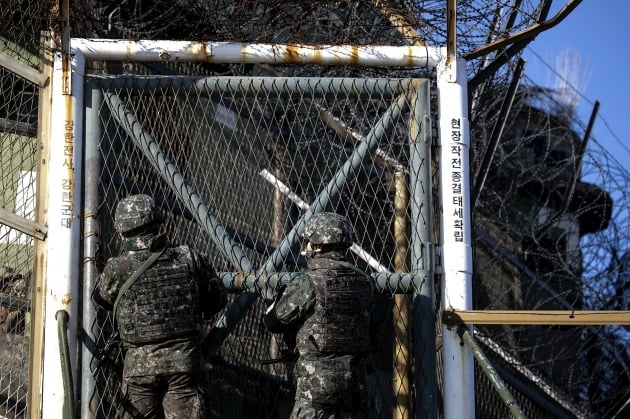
<point>173,355</point>
<point>324,380</point>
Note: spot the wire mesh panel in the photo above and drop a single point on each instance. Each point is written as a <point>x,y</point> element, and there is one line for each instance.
<point>17,177</point>
<point>20,37</point>
<point>258,154</point>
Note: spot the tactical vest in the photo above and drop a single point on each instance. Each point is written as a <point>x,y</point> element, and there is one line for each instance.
<point>163,303</point>
<point>343,305</point>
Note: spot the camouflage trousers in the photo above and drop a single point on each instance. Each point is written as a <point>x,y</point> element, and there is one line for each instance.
<point>166,396</point>
<point>304,410</point>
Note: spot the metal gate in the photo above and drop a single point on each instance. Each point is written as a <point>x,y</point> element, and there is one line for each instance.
<point>238,164</point>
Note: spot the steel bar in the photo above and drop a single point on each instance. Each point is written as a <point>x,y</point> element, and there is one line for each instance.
<point>526,34</point>
<point>396,282</point>
<point>420,185</point>
<point>302,87</point>
<point>494,378</point>
<point>92,163</point>
<point>497,131</point>
<point>537,317</point>
<point>224,52</point>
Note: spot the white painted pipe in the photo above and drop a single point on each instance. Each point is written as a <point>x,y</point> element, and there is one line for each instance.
<point>223,52</point>
<point>62,242</point>
<point>459,397</point>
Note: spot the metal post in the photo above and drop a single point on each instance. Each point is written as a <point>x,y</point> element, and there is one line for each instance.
<point>93,128</point>
<point>402,365</point>
<point>62,266</point>
<point>425,379</point>
<point>459,400</point>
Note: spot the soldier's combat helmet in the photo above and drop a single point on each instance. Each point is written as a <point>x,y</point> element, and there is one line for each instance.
<point>328,228</point>
<point>134,212</point>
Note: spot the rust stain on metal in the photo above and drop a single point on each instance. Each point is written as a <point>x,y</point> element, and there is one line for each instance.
<point>244,51</point>
<point>317,55</point>
<point>239,278</point>
<point>128,48</point>
<point>66,299</point>
<point>199,50</point>
<point>410,57</point>
<point>292,54</point>
<point>354,55</point>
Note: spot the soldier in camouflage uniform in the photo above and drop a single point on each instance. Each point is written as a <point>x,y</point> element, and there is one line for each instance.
<point>159,317</point>
<point>331,305</point>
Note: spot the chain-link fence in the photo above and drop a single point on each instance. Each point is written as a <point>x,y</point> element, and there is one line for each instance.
<point>258,154</point>
<point>549,224</point>
<point>21,26</point>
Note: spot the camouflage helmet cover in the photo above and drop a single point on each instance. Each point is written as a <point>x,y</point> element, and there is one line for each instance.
<point>136,211</point>
<point>329,228</point>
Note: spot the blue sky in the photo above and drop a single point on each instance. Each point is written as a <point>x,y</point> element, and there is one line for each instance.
<point>597,32</point>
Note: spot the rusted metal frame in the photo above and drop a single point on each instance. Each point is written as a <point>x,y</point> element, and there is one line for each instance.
<point>29,227</point>
<point>575,175</point>
<point>537,317</point>
<point>497,131</point>
<point>23,70</point>
<point>493,376</point>
<point>421,254</point>
<point>526,34</point>
<point>227,53</point>
<point>90,239</point>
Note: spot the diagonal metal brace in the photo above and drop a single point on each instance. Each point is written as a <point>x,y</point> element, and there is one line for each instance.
<point>22,70</point>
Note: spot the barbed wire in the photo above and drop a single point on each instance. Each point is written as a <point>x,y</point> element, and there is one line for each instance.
<point>576,262</point>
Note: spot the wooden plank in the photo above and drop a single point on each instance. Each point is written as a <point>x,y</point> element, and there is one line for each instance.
<point>537,317</point>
